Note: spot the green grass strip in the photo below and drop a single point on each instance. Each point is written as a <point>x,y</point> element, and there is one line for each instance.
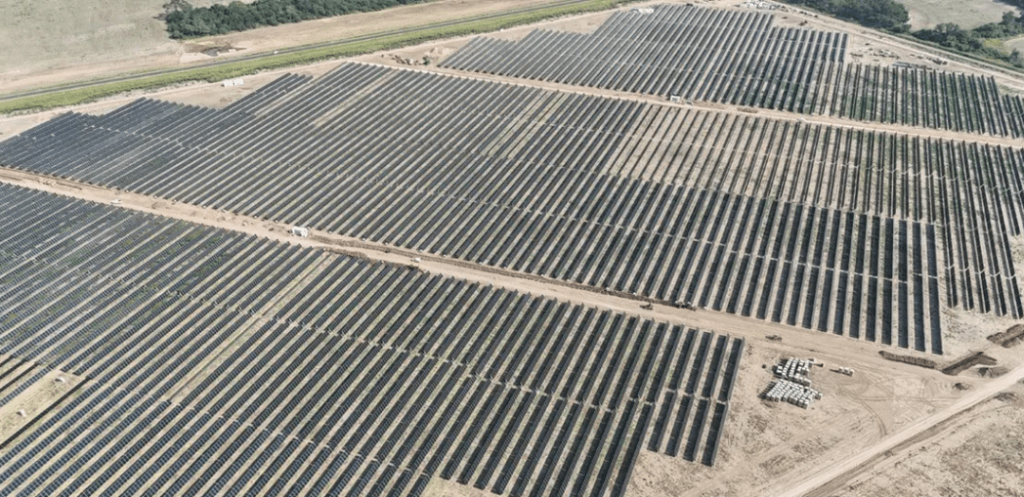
<point>243,68</point>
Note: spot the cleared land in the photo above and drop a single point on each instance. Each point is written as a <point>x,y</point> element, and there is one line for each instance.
<point>980,452</point>
<point>771,445</point>
<point>968,14</point>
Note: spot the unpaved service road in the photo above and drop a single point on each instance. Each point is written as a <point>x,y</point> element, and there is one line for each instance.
<point>834,471</point>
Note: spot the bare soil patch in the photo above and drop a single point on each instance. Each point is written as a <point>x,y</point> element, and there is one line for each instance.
<point>981,452</point>
<point>968,14</point>
<point>766,446</point>
<point>439,487</point>
<point>35,399</point>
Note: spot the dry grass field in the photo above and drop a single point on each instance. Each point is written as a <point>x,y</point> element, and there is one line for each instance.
<point>967,13</point>
<point>42,36</point>
<point>43,46</point>
<point>1014,44</point>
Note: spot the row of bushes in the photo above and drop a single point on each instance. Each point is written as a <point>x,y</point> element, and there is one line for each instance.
<point>185,21</point>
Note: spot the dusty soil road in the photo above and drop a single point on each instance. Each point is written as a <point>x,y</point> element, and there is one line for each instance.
<point>833,471</point>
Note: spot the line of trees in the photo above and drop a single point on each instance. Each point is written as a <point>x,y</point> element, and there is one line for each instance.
<point>185,21</point>
<point>972,41</point>
<point>892,16</point>
<point>888,15</point>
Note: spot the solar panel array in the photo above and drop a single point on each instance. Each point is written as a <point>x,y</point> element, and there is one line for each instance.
<point>741,58</point>
<point>17,375</point>
<point>215,363</point>
<point>694,52</point>
<point>221,364</point>
<point>930,99</point>
<point>863,234</point>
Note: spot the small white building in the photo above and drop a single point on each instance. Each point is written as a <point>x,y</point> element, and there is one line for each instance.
<point>303,232</point>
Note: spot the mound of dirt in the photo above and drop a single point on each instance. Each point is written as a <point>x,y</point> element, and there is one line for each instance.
<point>1008,397</point>
<point>917,361</point>
<point>1010,337</point>
<point>438,53</point>
<point>995,372</point>
<point>969,361</point>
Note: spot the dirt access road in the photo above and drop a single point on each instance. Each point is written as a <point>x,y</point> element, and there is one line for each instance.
<point>798,341</point>
<point>827,474</point>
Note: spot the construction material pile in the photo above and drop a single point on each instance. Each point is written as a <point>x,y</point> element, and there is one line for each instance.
<point>787,391</point>
<point>794,384</point>
<point>795,370</point>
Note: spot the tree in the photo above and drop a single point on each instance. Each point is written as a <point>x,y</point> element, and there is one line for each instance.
<point>173,6</point>
<point>1016,58</point>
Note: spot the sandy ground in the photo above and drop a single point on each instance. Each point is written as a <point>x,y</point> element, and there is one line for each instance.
<point>829,475</point>
<point>768,445</point>
<point>967,13</point>
<point>439,487</point>
<point>35,399</point>
<point>979,453</point>
<point>44,46</point>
